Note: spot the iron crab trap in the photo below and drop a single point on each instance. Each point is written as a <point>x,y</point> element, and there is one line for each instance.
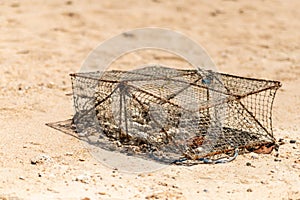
<point>174,115</point>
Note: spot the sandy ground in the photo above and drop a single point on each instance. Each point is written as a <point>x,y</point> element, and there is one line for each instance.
<point>41,42</point>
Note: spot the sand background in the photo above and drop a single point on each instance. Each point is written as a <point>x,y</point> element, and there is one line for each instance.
<point>41,42</point>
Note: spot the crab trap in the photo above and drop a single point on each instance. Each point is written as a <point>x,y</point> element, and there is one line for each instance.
<point>174,115</point>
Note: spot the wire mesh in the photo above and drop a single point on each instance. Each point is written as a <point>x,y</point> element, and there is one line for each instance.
<point>165,113</point>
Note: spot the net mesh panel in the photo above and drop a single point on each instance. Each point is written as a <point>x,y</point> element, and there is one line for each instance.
<point>165,114</point>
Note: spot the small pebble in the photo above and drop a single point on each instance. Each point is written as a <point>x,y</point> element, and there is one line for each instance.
<point>253,155</point>
<point>248,164</point>
<point>249,190</point>
<point>21,178</point>
<point>205,190</point>
<point>292,141</point>
<point>296,167</point>
<point>69,2</point>
<point>40,159</point>
<point>163,184</point>
<point>277,160</point>
<point>69,154</point>
<point>50,85</point>
<point>83,178</point>
<point>52,190</point>
<point>280,140</point>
